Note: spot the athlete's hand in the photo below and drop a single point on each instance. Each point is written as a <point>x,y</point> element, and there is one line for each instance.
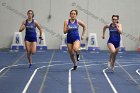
<point>20,30</point>
<point>40,38</point>
<point>117,25</point>
<point>103,37</point>
<point>82,37</point>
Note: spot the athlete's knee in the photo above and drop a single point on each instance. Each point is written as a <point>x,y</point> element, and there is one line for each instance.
<point>76,49</point>
<point>71,55</point>
<point>113,51</point>
<point>33,52</point>
<point>117,50</point>
<point>28,52</point>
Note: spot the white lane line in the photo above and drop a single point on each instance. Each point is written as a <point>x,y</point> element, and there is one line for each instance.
<point>45,76</point>
<point>31,78</point>
<point>132,60</point>
<point>109,81</point>
<point>112,86</point>
<point>33,75</point>
<point>1,70</point>
<point>128,74</point>
<point>128,65</point>
<point>70,77</point>
<point>69,82</point>
<point>35,71</point>
<point>129,62</point>
<point>137,71</point>
<point>89,79</point>
<point>12,64</point>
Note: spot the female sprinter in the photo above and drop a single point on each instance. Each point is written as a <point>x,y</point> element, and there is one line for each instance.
<point>30,36</point>
<point>73,39</point>
<point>115,29</point>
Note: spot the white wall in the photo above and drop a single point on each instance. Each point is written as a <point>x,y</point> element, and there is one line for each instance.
<point>12,12</point>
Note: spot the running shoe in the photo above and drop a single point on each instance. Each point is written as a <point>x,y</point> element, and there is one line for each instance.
<point>74,67</point>
<point>78,57</point>
<point>109,64</point>
<point>30,65</point>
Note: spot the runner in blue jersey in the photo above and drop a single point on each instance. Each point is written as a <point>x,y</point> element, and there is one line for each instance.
<point>30,35</point>
<point>115,29</point>
<point>73,38</point>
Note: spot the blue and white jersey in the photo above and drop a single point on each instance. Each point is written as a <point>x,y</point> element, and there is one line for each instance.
<point>73,29</point>
<point>30,34</point>
<point>73,33</point>
<point>114,34</point>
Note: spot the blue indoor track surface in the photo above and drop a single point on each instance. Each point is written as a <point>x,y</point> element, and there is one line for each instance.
<point>52,72</point>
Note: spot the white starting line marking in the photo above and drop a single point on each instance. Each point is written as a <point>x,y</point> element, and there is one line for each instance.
<point>121,66</point>
<point>137,71</point>
<point>109,81</point>
<point>70,77</point>
<point>31,78</point>
<point>69,81</point>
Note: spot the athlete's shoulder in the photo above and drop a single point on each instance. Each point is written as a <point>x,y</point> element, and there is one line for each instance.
<point>24,21</point>
<point>66,21</point>
<point>79,21</point>
<point>35,21</point>
<point>107,26</point>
